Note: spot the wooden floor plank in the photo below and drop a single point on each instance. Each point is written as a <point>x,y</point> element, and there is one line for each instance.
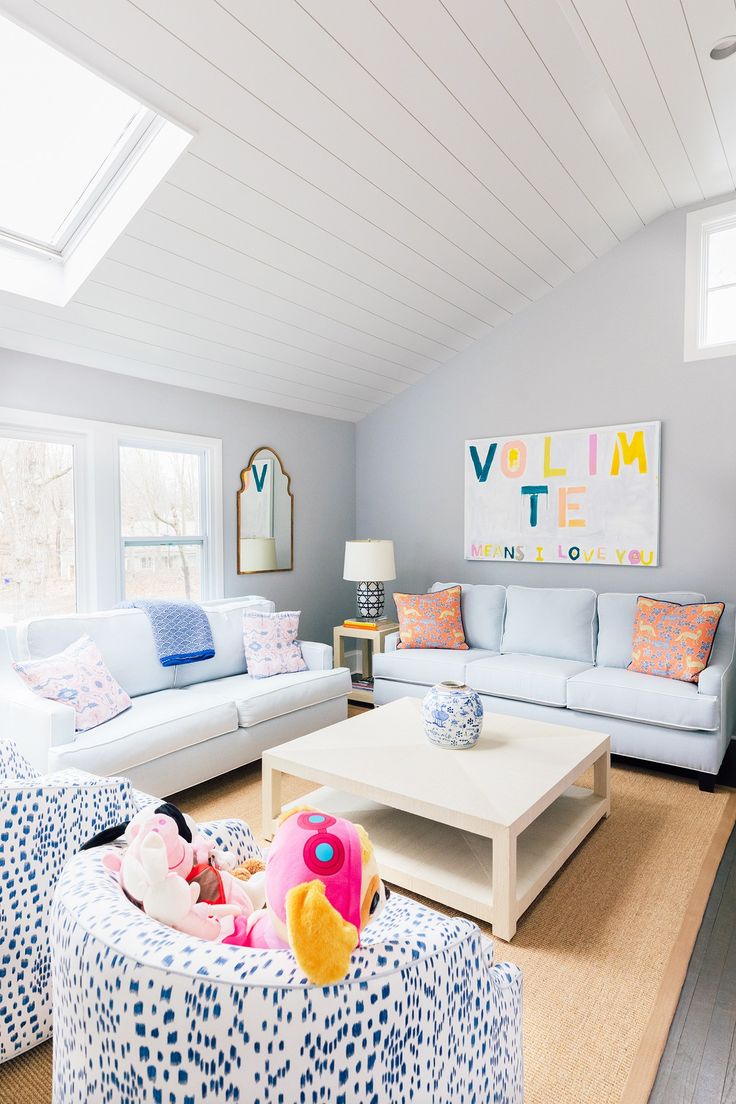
<point>694,1067</point>
<point>728,1095</point>
<point>726,870</point>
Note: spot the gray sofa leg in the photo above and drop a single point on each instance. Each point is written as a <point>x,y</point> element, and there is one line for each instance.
<point>706,782</point>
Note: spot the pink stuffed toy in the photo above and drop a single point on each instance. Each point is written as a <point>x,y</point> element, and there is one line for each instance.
<point>173,879</point>
<point>322,888</point>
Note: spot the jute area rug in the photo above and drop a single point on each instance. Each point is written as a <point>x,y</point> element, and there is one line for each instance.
<point>604,949</point>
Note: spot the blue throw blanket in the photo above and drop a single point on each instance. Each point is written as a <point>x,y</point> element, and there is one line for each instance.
<point>180,629</point>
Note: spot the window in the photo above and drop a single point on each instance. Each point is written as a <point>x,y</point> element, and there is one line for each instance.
<point>710,298</point>
<point>94,512</point>
<point>78,158</point>
<point>163,523</point>
<point>37,537</point>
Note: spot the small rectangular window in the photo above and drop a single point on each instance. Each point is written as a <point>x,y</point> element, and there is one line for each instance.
<point>37,533</point>
<point>710,297</point>
<point>163,523</point>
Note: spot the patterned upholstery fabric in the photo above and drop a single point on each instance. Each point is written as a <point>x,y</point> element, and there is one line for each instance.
<point>270,643</point>
<point>145,1014</point>
<point>43,821</point>
<point>430,620</point>
<point>674,641</point>
<point>79,677</point>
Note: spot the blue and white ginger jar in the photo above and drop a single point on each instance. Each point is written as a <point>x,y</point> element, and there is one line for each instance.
<point>453,715</point>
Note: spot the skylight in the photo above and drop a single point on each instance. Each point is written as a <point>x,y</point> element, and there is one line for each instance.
<point>66,126</point>
<point>73,148</point>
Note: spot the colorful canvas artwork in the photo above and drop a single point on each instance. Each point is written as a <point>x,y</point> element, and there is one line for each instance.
<point>571,496</point>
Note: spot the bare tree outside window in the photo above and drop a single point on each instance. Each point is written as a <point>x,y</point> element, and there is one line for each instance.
<point>161,523</point>
<point>37,550</point>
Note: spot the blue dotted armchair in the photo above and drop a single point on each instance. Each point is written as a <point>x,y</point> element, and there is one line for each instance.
<point>44,819</point>
<point>145,1014</point>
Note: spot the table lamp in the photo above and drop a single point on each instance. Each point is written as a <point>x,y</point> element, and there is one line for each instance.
<point>369,563</point>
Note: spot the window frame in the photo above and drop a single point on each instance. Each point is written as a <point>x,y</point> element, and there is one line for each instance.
<point>700,225</point>
<point>110,174</point>
<point>97,520</point>
<point>119,191</point>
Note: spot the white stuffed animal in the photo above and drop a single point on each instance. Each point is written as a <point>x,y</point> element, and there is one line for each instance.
<point>167,897</point>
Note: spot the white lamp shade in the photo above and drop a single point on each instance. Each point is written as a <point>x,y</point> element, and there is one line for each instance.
<point>258,554</point>
<point>369,561</point>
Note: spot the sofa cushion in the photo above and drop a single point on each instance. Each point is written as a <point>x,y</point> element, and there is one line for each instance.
<point>631,696</point>
<point>226,622</point>
<point>123,636</point>
<point>259,700</point>
<point>271,645</point>
<point>426,666</point>
<point>78,677</point>
<point>616,614</point>
<point>672,640</point>
<point>554,621</point>
<point>540,679</point>
<point>430,620</point>
<point>155,725</point>
<point>482,609</point>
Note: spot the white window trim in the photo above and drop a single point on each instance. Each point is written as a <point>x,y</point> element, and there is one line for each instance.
<point>699,225</point>
<point>97,496</point>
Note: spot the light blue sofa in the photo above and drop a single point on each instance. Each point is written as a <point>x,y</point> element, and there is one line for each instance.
<point>561,655</point>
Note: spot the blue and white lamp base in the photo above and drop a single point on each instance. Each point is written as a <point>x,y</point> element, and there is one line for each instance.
<point>370,599</point>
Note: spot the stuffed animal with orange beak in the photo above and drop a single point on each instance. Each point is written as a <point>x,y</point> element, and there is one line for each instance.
<point>322,888</point>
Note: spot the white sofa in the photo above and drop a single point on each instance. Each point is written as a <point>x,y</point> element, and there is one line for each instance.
<point>187,723</point>
<point>561,655</point>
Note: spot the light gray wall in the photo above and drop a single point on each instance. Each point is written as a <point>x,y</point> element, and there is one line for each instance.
<point>605,347</point>
<point>318,453</point>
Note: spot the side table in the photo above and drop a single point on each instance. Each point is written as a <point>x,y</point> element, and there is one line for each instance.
<point>371,640</point>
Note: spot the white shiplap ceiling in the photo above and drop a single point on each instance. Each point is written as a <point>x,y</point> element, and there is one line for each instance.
<point>375,184</point>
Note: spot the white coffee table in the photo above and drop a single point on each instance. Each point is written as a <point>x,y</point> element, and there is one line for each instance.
<point>482,830</point>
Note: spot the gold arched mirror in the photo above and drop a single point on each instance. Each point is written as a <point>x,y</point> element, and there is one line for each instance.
<point>265,515</point>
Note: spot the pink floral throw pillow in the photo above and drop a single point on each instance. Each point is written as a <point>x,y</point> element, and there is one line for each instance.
<point>79,677</point>
<point>271,646</point>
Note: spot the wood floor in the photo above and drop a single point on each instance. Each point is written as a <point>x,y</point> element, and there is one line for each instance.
<point>699,1062</point>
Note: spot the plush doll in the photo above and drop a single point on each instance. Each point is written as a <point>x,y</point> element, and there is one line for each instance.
<point>146,876</point>
<point>171,871</point>
<point>322,888</point>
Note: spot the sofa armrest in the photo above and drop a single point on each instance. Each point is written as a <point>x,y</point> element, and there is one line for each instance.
<point>389,644</point>
<point>318,657</point>
<point>719,678</point>
<point>36,724</point>
<point>713,677</point>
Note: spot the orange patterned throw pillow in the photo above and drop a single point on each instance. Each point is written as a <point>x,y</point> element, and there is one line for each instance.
<point>673,641</point>
<point>430,620</point>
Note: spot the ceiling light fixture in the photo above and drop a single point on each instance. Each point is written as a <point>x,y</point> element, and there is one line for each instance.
<point>724,48</point>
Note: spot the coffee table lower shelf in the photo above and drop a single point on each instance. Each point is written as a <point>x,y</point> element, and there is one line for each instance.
<point>455,867</point>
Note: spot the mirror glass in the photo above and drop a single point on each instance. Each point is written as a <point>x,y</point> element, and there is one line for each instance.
<point>265,515</point>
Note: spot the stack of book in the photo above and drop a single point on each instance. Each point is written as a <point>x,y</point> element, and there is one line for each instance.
<point>361,682</point>
<point>366,622</point>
